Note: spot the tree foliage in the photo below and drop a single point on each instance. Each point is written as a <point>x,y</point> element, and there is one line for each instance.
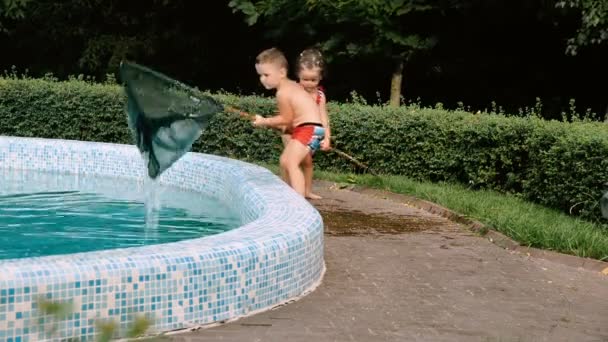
<point>593,23</point>
<point>387,30</point>
<point>383,27</point>
<point>108,30</point>
<point>11,9</point>
<point>100,33</point>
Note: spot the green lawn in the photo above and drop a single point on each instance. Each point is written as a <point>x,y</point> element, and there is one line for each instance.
<point>528,223</point>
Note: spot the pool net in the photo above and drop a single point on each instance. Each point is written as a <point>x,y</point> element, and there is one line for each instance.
<point>165,116</point>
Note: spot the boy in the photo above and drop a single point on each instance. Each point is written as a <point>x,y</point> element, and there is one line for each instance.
<point>297,110</point>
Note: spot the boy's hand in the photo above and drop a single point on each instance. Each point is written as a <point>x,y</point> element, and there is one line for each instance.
<point>258,120</point>
<point>325,144</point>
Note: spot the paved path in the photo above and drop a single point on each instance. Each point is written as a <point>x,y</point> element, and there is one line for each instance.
<point>397,273</point>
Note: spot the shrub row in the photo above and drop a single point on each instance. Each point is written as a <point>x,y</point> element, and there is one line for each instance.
<point>561,165</point>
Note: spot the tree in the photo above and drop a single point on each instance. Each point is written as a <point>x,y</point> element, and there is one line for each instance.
<point>12,9</point>
<point>100,32</point>
<point>83,23</point>
<point>594,23</point>
<point>389,30</point>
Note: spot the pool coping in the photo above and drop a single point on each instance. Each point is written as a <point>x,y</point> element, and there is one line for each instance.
<point>274,258</point>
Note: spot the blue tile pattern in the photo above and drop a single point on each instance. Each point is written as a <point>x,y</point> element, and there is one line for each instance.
<point>276,256</point>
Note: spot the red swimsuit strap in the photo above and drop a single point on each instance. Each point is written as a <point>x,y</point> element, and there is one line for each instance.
<point>320,93</point>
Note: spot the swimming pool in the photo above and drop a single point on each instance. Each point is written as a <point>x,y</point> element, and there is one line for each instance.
<point>49,213</point>
<point>274,257</point>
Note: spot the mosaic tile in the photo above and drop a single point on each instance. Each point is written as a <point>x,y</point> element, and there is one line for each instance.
<point>276,255</point>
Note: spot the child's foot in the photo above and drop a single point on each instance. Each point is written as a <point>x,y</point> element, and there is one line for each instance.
<point>313,196</point>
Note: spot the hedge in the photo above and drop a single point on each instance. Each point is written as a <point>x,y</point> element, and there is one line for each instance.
<point>558,164</point>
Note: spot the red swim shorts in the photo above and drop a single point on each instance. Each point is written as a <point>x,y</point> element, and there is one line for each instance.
<point>309,134</point>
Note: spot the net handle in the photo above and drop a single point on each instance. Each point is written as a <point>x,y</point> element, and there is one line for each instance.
<point>241,113</point>
<point>341,153</point>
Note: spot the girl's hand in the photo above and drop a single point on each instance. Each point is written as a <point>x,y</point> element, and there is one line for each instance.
<point>325,144</point>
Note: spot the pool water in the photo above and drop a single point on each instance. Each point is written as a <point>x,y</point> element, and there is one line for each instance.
<point>50,213</point>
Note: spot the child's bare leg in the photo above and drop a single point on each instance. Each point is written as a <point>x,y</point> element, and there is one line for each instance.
<point>307,168</point>
<point>286,138</point>
<point>291,158</point>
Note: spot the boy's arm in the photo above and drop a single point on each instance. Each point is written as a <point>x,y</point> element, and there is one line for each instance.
<point>284,118</point>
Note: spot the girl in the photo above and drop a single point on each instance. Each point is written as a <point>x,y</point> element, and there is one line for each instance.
<point>310,68</point>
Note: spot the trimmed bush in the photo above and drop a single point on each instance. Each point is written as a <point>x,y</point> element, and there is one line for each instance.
<point>64,110</point>
<point>561,165</point>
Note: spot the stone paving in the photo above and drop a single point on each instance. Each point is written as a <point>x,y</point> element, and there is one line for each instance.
<point>399,273</point>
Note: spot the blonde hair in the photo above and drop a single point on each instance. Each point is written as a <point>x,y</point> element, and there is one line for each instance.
<point>310,59</point>
<point>274,56</point>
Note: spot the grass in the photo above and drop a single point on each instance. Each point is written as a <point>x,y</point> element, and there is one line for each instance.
<point>527,223</point>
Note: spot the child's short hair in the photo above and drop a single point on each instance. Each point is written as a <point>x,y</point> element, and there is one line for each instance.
<point>309,59</point>
<point>274,56</point>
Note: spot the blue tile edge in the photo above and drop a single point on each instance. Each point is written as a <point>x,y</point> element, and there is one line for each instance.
<point>275,257</point>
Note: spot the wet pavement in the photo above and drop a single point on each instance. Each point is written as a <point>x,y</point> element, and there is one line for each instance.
<point>396,272</point>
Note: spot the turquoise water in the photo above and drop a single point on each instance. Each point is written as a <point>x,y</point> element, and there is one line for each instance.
<point>49,213</point>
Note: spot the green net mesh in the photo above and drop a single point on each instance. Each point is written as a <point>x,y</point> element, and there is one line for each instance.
<point>164,115</point>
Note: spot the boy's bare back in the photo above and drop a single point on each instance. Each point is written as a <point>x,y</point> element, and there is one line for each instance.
<point>291,97</point>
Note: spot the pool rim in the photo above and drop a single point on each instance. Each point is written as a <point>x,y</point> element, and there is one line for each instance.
<point>288,200</point>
